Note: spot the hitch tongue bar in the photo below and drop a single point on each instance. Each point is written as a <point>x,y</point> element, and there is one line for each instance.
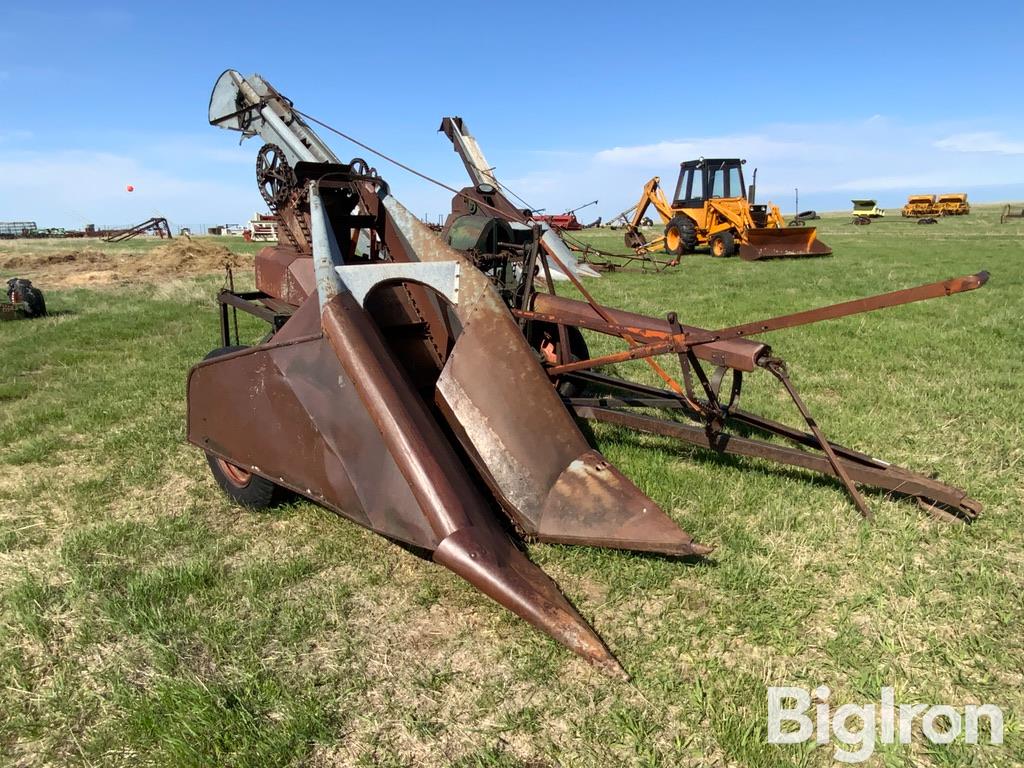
<point>843,309</point>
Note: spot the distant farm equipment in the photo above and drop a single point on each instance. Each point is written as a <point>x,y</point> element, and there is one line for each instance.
<point>11,229</point>
<point>865,210</point>
<point>568,219</point>
<point>1009,212</point>
<point>262,228</point>
<point>22,300</point>
<point>804,216</point>
<point>953,204</point>
<point>920,205</point>
<point>155,226</point>
<point>226,230</point>
<point>711,207</point>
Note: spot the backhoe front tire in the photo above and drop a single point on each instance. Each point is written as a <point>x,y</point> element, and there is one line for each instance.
<point>680,236</point>
<point>241,485</point>
<point>723,244</point>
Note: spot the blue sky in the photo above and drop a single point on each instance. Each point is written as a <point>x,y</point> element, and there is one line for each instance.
<point>570,102</point>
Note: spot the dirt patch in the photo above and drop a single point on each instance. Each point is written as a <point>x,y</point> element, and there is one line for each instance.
<point>88,267</point>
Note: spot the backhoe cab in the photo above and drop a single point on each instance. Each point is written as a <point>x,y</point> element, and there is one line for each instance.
<point>711,207</point>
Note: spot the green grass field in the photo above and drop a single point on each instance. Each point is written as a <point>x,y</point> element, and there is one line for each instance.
<point>147,621</point>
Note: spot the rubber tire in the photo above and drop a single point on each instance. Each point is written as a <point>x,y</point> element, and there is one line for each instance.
<point>727,242</point>
<point>36,303</point>
<point>257,492</point>
<point>687,236</point>
<point>31,295</point>
<point>578,350</point>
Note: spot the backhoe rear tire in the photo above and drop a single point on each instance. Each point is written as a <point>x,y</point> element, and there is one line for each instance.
<point>680,236</point>
<point>241,485</point>
<point>723,244</point>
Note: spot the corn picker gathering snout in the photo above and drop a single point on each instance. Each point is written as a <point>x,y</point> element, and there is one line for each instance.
<point>428,387</point>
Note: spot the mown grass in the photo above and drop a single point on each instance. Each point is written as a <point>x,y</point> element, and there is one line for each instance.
<point>147,621</point>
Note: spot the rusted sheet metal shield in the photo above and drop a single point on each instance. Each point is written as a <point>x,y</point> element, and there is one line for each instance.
<point>511,422</point>
<point>472,542</point>
<point>287,411</point>
<point>782,242</point>
<point>326,411</point>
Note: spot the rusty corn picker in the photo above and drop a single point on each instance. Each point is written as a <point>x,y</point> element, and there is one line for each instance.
<point>403,383</point>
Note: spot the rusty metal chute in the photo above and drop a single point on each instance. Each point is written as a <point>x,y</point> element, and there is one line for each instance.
<point>423,391</point>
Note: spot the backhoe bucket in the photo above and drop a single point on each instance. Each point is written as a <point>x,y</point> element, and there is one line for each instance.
<point>781,243</point>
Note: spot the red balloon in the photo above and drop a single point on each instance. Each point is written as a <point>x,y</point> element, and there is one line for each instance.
<point>130,188</point>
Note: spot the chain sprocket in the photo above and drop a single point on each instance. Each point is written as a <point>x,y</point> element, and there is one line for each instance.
<point>274,176</point>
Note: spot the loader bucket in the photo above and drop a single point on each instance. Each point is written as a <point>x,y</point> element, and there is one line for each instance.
<point>782,242</point>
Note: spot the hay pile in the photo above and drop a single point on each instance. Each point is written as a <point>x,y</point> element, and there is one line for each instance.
<point>179,258</point>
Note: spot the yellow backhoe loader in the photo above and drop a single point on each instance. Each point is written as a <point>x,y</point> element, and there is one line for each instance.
<point>711,207</point>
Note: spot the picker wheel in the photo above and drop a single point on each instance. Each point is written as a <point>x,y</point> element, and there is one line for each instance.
<point>578,350</point>
<point>680,236</point>
<point>241,485</point>
<point>723,244</point>
<point>544,339</point>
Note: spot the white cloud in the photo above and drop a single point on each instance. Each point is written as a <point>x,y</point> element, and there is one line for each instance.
<point>981,141</point>
<point>877,157</point>
<point>197,179</point>
<point>920,180</point>
<point>668,153</point>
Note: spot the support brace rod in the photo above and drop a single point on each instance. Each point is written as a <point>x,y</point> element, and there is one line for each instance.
<point>891,478</point>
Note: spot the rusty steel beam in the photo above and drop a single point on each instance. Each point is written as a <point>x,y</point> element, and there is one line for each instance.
<point>900,481</point>
<point>844,309</point>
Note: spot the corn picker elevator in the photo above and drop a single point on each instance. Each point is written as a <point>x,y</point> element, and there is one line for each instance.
<point>431,393</point>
